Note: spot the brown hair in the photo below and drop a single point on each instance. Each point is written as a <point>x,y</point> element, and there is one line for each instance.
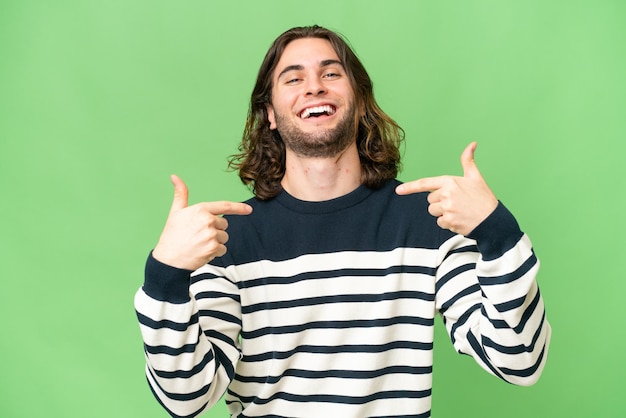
<point>261,157</point>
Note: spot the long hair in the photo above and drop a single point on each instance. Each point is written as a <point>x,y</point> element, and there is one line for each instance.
<point>261,157</point>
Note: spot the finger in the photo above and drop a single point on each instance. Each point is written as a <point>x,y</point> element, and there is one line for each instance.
<point>435,209</point>
<point>221,237</point>
<point>426,184</point>
<point>227,208</point>
<point>434,197</point>
<point>468,162</point>
<point>181,194</point>
<point>220,223</point>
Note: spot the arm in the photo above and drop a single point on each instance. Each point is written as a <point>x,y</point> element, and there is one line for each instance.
<point>486,285</point>
<point>490,301</point>
<point>190,325</point>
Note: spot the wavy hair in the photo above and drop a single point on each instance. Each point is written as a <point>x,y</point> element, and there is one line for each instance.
<point>261,157</point>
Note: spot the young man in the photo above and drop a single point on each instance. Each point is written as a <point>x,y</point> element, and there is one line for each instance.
<point>324,303</point>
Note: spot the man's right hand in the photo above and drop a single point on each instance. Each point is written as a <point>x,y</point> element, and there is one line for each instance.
<point>194,235</point>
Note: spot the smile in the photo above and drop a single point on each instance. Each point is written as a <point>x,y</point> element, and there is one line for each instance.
<point>326,110</point>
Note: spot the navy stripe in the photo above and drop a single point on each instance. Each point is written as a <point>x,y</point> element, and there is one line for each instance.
<point>524,268</point>
<point>452,274</point>
<point>478,349</point>
<point>423,415</point>
<point>164,323</point>
<point>329,274</point>
<point>220,315</point>
<point>461,250</point>
<point>350,298</point>
<point>518,349</point>
<point>365,323</point>
<point>222,360</point>
<point>183,396</point>
<point>525,372</point>
<point>185,374</point>
<point>528,313</point>
<point>467,291</point>
<point>510,305</point>
<point>208,276</point>
<point>169,411</point>
<point>171,351</point>
<point>332,349</point>
<point>338,399</point>
<point>217,295</point>
<point>219,336</point>
<point>164,349</point>
<point>463,319</point>
<point>340,374</point>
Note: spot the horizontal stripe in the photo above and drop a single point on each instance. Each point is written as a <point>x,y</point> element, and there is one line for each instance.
<point>510,304</point>
<point>338,399</point>
<point>213,314</point>
<point>325,300</point>
<point>340,374</point>
<point>329,274</point>
<point>169,411</point>
<point>521,271</point>
<point>516,349</point>
<point>465,292</point>
<point>526,372</point>
<point>335,349</point>
<point>217,295</point>
<point>182,396</point>
<point>166,323</point>
<point>170,351</point>
<point>186,374</point>
<point>480,353</point>
<point>452,274</point>
<point>374,323</point>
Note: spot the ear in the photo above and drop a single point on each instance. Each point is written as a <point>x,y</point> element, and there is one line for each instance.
<point>270,116</point>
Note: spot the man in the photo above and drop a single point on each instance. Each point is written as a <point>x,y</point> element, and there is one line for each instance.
<point>324,303</point>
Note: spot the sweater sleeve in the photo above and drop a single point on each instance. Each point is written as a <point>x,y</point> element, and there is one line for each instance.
<point>190,329</point>
<point>490,302</point>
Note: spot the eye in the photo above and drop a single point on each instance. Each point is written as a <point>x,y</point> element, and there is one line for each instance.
<point>331,74</point>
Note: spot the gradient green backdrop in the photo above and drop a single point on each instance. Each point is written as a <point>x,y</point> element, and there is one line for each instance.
<point>101,100</point>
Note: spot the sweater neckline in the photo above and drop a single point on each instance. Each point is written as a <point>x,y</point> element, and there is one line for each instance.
<point>326,206</point>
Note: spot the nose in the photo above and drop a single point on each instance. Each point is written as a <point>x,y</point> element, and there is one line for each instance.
<point>315,87</point>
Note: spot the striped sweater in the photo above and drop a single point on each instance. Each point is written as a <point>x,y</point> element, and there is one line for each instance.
<point>327,309</point>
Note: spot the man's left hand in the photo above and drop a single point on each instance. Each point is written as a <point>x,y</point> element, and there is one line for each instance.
<point>459,203</point>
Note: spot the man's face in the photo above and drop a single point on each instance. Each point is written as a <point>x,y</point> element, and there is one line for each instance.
<point>312,100</point>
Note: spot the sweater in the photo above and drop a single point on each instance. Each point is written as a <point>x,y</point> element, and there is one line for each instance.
<point>327,309</point>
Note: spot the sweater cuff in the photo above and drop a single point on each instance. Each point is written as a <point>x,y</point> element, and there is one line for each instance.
<point>166,283</point>
<point>497,234</point>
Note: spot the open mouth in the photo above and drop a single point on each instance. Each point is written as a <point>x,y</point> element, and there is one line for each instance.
<point>317,111</point>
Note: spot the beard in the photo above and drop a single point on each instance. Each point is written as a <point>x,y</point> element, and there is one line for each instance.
<point>323,143</point>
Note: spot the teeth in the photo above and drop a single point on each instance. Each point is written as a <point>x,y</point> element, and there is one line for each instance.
<point>329,110</point>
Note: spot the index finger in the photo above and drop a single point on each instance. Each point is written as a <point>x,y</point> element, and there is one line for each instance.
<point>227,208</point>
<point>426,184</point>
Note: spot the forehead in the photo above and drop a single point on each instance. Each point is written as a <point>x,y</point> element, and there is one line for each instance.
<point>305,52</point>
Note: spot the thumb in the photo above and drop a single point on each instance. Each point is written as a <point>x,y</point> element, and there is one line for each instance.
<point>181,194</point>
<point>468,163</point>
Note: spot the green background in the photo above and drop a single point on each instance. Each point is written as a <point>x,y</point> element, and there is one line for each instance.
<point>101,100</point>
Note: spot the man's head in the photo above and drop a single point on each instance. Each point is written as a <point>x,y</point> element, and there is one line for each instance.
<point>273,105</point>
<point>312,100</point>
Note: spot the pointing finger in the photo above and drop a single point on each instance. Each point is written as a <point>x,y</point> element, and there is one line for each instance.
<point>227,208</point>
<point>426,184</point>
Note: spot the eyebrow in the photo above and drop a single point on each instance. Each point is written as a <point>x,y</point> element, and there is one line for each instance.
<point>298,67</point>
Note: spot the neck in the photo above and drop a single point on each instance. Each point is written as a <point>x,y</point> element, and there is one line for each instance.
<point>319,179</point>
